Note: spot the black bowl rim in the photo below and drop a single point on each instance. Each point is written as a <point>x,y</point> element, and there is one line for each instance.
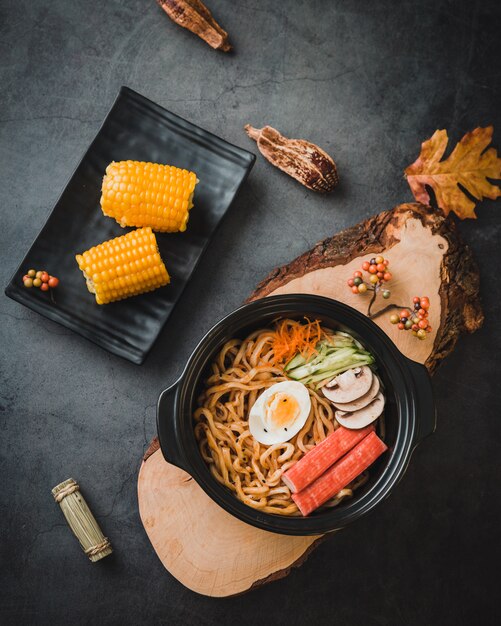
<point>398,368</point>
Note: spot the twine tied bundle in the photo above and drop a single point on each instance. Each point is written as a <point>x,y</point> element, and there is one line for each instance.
<point>81,521</point>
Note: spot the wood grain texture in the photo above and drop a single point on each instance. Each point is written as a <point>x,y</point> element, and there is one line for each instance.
<point>215,554</point>
<point>203,546</point>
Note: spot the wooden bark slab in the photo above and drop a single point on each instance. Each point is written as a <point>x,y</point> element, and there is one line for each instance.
<point>427,257</point>
<point>203,546</point>
<point>198,542</point>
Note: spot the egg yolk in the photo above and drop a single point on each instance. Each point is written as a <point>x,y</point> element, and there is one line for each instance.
<point>281,410</point>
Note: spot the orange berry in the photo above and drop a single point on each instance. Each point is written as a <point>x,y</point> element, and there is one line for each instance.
<point>354,289</point>
<point>44,287</point>
<point>372,269</point>
<point>387,276</point>
<point>401,326</point>
<point>365,265</point>
<point>381,267</point>
<point>350,282</point>
<point>380,275</point>
<point>422,323</point>
<point>357,274</point>
<point>404,313</point>
<point>425,303</point>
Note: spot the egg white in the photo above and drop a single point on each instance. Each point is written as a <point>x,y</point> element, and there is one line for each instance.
<point>261,429</point>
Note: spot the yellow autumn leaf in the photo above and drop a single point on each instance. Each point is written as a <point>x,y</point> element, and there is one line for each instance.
<point>468,166</point>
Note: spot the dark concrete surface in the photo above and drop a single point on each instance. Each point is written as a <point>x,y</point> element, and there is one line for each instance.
<point>368,82</point>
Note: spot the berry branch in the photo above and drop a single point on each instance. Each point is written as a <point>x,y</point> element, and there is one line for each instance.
<point>414,319</point>
<point>42,280</point>
<point>388,307</point>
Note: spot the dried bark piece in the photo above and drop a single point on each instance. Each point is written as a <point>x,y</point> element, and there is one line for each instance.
<point>196,17</point>
<point>302,160</point>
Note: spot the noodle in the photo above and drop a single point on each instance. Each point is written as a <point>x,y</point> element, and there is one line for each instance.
<point>242,370</point>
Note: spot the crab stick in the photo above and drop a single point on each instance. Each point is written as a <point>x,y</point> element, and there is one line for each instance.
<point>340,474</point>
<point>322,456</point>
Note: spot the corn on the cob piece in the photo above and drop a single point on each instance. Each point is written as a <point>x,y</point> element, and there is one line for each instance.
<point>123,267</point>
<point>148,194</point>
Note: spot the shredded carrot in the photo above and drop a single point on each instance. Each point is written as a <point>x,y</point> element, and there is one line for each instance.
<point>293,337</point>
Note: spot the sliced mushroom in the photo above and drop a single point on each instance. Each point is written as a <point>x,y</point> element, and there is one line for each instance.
<point>362,417</point>
<point>349,385</point>
<point>334,383</point>
<point>366,399</point>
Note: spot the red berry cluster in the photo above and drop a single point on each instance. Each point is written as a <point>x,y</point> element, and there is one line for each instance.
<point>378,275</point>
<point>40,279</point>
<point>414,319</point>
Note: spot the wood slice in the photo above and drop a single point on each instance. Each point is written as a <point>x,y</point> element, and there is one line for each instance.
<point>215,554</point>
<point>203,546</point>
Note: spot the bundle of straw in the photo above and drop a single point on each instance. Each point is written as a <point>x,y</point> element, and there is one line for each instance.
<point>81,521</point>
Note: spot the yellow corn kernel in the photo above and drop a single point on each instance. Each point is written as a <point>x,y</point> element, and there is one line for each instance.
<point>113,279</point>
<point>135,193</point>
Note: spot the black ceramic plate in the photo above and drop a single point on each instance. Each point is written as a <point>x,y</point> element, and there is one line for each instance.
<point>138,129</point>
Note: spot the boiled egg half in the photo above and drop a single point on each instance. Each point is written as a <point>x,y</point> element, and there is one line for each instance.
<point>280,412</point>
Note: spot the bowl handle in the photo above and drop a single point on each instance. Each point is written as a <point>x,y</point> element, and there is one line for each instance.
<point>167,427</point>
<point>426,410</point>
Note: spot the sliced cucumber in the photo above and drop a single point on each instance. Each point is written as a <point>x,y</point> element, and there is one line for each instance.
<point>334,355</point>
<point>295,362</point>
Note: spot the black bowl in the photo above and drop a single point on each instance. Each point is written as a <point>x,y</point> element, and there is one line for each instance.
<point>409,412</point>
